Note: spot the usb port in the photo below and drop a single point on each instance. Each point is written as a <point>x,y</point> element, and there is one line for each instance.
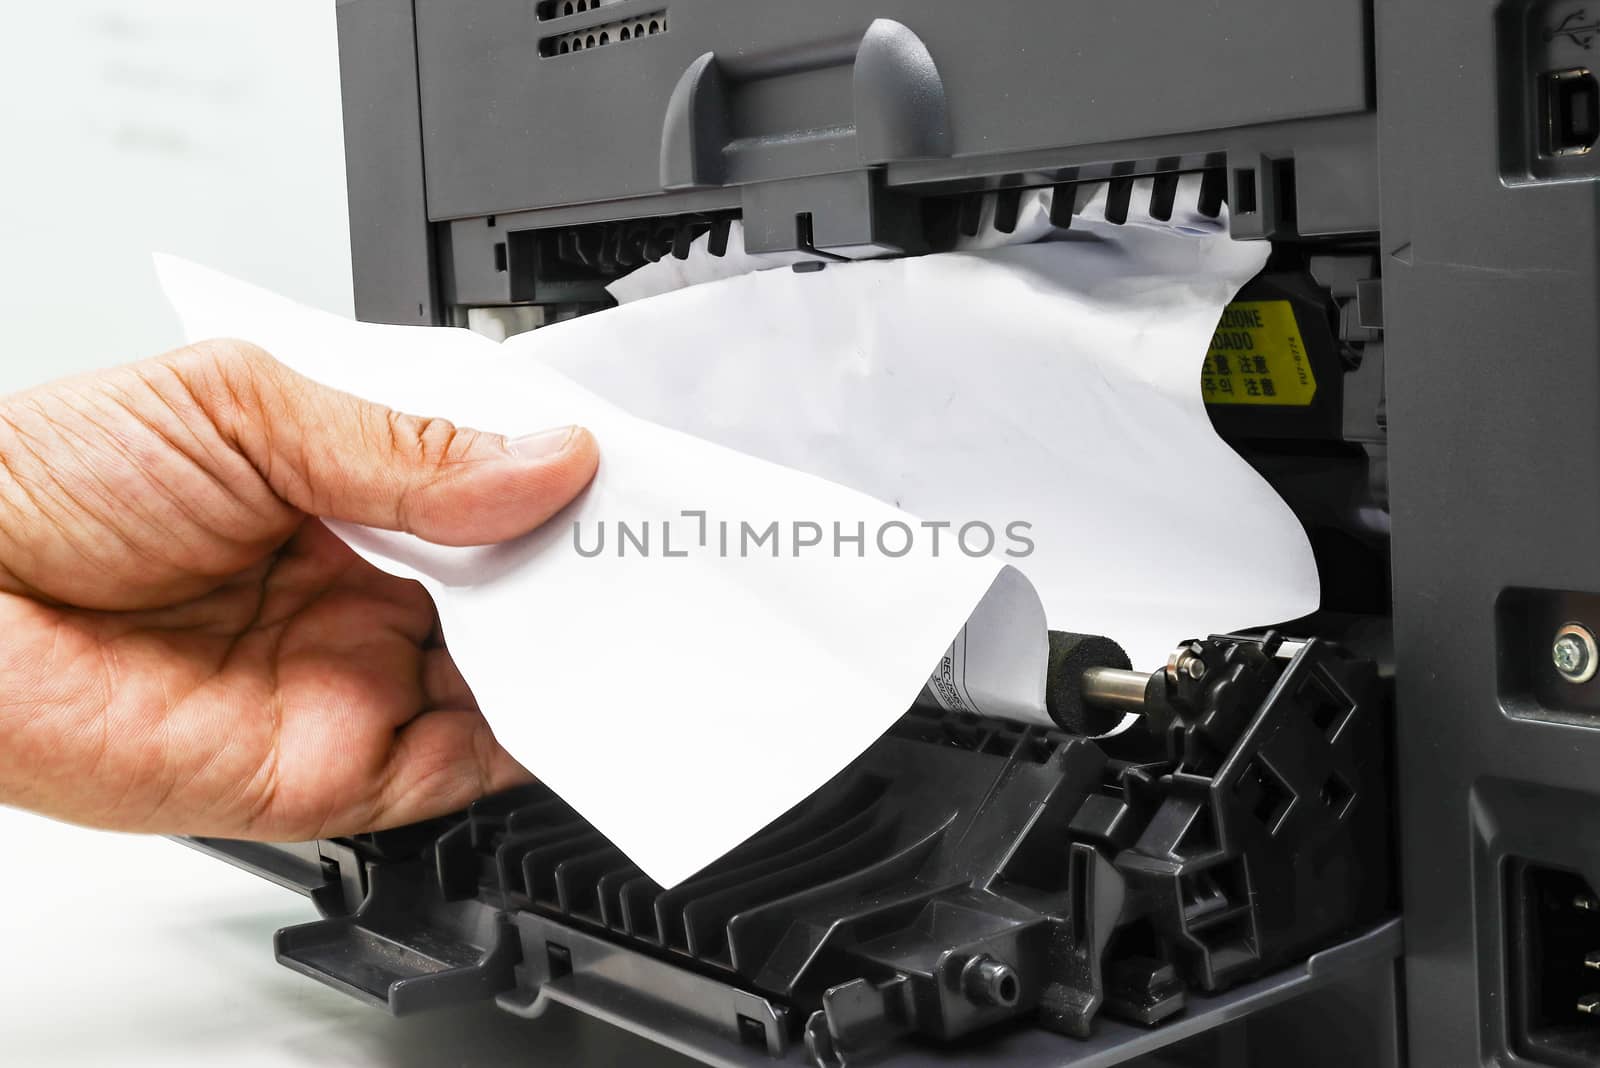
<point>1569,105</point>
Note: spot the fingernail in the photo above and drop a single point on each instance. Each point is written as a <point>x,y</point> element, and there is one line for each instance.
<point>542,445</point>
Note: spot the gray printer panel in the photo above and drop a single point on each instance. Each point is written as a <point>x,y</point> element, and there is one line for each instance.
<point>506,128</point>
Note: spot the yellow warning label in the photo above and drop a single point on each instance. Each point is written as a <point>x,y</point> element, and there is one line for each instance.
<point>1257,357</point>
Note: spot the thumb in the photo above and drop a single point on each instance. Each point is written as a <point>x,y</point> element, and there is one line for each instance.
<point>336,456</point>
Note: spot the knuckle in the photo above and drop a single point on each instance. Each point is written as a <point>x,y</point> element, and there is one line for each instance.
<point>439,439</point>
<point>393,432</point>
<point>434,444</point>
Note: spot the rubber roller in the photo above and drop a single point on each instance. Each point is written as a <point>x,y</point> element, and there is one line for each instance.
<point>1074,659</point>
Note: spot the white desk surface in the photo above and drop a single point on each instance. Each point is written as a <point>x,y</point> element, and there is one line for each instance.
<point>133,951</point>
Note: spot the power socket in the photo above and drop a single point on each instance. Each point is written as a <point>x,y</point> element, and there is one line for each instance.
<point>1553,954</point>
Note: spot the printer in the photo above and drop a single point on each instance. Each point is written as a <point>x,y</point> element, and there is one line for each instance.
<point>1357,838</point>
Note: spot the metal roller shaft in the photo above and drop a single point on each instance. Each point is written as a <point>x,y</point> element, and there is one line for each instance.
<point>1116,688</point>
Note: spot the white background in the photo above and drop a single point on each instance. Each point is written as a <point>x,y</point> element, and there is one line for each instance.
<point>207,128</point>
<point>211,129</point>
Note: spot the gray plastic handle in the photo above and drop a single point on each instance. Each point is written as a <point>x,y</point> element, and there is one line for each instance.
<point>897,96</point>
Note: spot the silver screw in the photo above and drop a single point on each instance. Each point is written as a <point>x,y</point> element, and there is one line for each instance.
<point>1573,653</point>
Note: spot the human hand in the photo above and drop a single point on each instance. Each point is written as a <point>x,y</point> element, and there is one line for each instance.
<point>185,648</point>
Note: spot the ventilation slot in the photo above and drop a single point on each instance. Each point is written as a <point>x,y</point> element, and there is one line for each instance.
<point>560,9</point>
<point>1244,191</point>
<point>620,31</point>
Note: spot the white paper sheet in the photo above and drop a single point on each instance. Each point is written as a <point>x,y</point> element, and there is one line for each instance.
<point>679,702</point>
<point>1055,383</point>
